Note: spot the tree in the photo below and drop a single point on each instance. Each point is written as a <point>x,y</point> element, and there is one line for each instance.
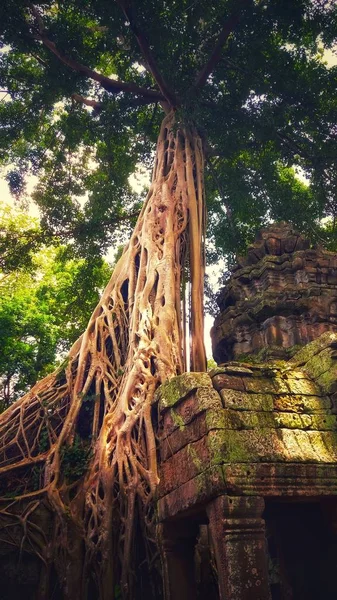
<point>217,71</point>
<point>45,302</point>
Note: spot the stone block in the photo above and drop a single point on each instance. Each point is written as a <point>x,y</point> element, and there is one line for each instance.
<point>174,390</point>
<point>328,381</point>
<point>291,420</point>
<point>260,385</point>
<point>303,387</point>
<point>324,422</point>
<point>184,435</point>
<point>183,412</point>
<point>302,404</point>
<point>230,369</point>
<point>293,479</point>
<point>243,401</point>
<point>241,419</point>
<point>321,363</point>
<point>192,493</point>
<point>313,348</point>
<point>273,445</point>
<point>226,381</point>
<point>184,465</point>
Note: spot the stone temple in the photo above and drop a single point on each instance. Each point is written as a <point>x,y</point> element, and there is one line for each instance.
<point>247,503</point>
<point>247,500</point>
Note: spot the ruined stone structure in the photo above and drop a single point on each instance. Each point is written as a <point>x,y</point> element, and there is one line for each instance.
<point>281,296</point>
<point>247,499</point>
<point>248,452</point>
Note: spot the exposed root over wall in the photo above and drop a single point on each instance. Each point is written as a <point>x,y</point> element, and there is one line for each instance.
<point>78,453</point>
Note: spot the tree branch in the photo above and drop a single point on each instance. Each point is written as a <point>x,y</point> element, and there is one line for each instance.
<point>292,145</point>
<point>99,105</point>
<point>111,85</point>
<point>81,100</point>
<point>214,58</point>
<point>146,51</point>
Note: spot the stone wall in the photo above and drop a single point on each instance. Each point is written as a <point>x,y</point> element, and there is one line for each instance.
<point>237,447</point>
<point>247,429</point>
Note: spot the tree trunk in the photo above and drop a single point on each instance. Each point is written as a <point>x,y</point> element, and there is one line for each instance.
<point>94,414</point>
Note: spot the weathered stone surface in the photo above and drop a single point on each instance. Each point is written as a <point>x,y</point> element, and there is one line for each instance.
<point>223,381</point>
<point>303,387</point>
<point>179,387</point>
<point>302,404</point>
<point>231,369</point>
<point>238,534</point>
<point>258,385</point>
<point>182,436</point>
<point>185,410</point>
<point>193,493</point>
<point>254,429</point>
<point>304,355</point>
<point>244,401</point>
<point>283,416</point>
<point>282,479</point>
<point>265,479</point>
<point>278,298</point>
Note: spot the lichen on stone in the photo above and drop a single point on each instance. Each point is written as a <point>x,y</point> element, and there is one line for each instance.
<point>177,388</point>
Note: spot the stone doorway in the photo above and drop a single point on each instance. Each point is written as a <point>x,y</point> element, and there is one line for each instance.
<point>302,546</point>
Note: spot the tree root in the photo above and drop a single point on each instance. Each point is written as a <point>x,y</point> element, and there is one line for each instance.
<point>80,446</point>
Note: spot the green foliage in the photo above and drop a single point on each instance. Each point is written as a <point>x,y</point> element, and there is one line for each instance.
<point>43,441</point>
<point>75,459</point>
<point>268,108</point>
<point>28,337</point>
<point>211,364</point>
<point>46,299</point>
<point>267,114</point>
<point>20,238</point>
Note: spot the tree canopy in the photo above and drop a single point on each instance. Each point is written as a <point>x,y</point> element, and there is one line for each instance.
<point>84,85</point>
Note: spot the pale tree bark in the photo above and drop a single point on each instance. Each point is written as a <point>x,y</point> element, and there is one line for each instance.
<point>97,409</point>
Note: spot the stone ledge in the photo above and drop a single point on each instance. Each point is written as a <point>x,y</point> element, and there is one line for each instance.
<point>263,444</point>
<point>263,479</point>
<point>303,356</point>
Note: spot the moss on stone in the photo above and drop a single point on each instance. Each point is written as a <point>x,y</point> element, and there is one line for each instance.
<point>207,398</point>
<point>324,341</point>
<point>177,419</point>
<point>260,385</point>
<point>302,387</point>
<point>328,381</point>
<point>274,445</point>
<point>324,422</point>
<point>321,363</point>
<point>174,390</point>
<point>224,447</point>
<point>302,404</point>
<point>219,419</point>
<point>292,350</point>
<point>244,401</point>
<point>292,420</point>
<point>231,370</point>
<point>198,463</point>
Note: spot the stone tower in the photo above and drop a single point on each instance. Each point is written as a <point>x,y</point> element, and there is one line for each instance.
<point>281,296</point>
